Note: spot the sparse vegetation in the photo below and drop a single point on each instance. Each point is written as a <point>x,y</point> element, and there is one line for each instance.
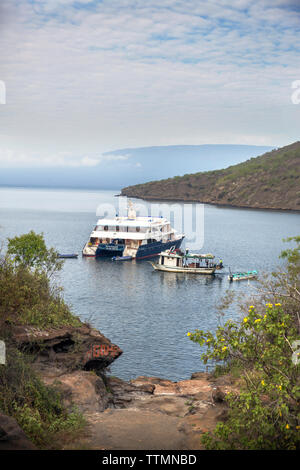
<point>29,297</point>
<point>269,181</point>
<point>37,408</point>
<point>264,349</point>
<point>27,294</point>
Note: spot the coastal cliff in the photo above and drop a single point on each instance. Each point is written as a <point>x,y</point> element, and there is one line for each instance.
<point>270,181</point>
<point>69,360</point>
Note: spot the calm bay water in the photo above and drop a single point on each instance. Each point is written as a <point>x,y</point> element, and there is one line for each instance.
<point>146,313</point>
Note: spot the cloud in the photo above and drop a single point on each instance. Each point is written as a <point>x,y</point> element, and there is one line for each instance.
<point>11,158</point>
<point>88,76</point>
<point>114,157</point>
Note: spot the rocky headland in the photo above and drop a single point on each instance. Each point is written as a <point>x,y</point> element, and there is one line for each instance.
<point>270,181</point>
<point>144,413</point>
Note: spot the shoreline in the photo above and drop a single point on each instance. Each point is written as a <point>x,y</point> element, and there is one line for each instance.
<point>214,204</point>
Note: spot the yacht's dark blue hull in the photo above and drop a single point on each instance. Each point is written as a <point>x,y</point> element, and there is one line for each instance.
<point>145,251</point>
<point>153,249</point>
<point>109,250</point>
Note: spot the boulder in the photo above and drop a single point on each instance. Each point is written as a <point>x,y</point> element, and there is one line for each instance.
<point>11,435</point>
<point>200,376</point>
<point>218,395</point>
<point>84,389</point>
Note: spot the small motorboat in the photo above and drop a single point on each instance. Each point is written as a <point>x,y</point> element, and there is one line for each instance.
<point>242,276</point>
<point>175,261</point>
<point>121,258</point>
<point>72,255</point>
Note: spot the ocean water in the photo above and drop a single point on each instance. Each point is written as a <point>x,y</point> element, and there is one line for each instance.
<point>147,313</point>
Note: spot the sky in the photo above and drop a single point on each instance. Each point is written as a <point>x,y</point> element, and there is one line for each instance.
<point>86,77</point>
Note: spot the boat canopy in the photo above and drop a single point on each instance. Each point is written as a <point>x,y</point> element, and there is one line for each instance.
<point>248,273</point>
<point>174,254</point>
<point>199,255</point>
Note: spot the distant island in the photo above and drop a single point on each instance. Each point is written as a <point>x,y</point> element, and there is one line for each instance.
<point>129,166</point>
<point>270,181</point>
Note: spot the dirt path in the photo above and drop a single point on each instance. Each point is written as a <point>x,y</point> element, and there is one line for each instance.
<point>135,429</point>
<point>155,414</point>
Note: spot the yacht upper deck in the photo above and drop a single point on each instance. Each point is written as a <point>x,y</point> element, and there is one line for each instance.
<point>145,222</point>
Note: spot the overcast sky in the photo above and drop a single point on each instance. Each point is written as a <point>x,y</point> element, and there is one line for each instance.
<point>84,77</point>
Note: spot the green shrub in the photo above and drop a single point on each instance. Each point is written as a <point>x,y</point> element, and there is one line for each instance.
<point>30,250</point>
<point>29,297</point>
<point>265,414</point>
<point>37,408</point>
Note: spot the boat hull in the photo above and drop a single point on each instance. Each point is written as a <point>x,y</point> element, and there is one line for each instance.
<point>145,251</point>
<point>177,269</point>
<point>110,250</point>
<point>244,278</point>
<point>154,249</point>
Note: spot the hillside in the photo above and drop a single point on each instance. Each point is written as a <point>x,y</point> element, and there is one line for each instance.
<point>270,181</point>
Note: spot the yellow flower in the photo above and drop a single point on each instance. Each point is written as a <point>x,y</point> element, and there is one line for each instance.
<point>258,320</point>
<point>265,316</point>
<point>245,320</point>
<point>278,305</point>
<point>287,427</point>
<point>251,306</point>
<point>224,348</point>
<point>263,383</point>
<point>279,387</point>
<point>297,427</point>
<point>222,339</point>
<point>269,305</point>
<point>189,334</point>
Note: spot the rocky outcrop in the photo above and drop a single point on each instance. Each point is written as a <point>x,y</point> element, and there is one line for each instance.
<point>84,389</point>
<point>270,181</point>
<point>144,413</point>
<point>67,347</point>
<point>154,413</point>
<point>73,360</point>
<point>11,435</point>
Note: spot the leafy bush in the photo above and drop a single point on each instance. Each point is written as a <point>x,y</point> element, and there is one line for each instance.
<point>29,250</point>
<point>37,408</point>
<point>265,414</point>
<point>28,297</point>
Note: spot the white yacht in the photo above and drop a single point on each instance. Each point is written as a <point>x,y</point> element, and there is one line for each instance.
<point>132,237</point>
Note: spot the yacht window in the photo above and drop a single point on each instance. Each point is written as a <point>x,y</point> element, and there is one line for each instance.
<point>137,229</point>
<point>117,228</point>
<point>106,227</point>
